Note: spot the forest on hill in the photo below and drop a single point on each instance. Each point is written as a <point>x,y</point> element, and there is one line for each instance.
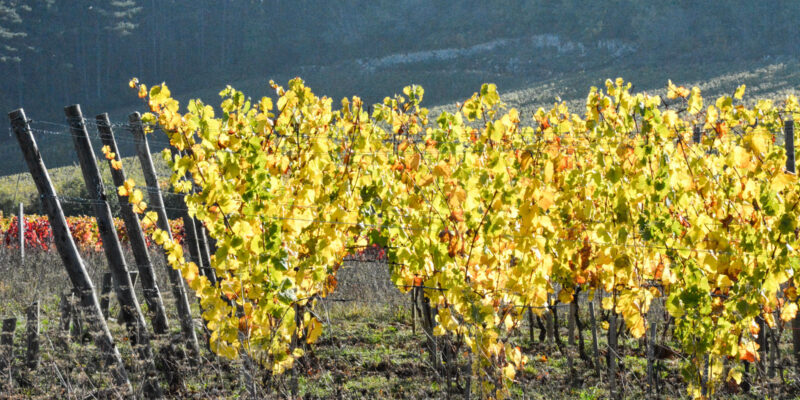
<point>57,52</point>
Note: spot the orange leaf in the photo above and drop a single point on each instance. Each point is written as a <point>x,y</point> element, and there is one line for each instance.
<point>457,216</point>
<point>748,351</point>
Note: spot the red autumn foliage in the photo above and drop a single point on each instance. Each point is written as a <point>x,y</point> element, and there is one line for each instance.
<point>39,236</point>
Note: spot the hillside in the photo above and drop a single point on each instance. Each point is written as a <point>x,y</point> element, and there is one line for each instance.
<point>54,53</point>
<point>767,79</point>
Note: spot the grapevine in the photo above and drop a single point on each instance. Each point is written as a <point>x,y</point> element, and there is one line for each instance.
<point>267,173</point>
<point>490,215</point>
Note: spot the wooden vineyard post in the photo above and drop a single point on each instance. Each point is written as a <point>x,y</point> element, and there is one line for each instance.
<point>105,223</point>
<point>7,344</point>
<point>551,326</point>
<point>788,130</point>
<point>21,231</point>
<point>697,134</point>
<point>67,248</point>
<point>205,254</point>
<point>580,327</point>
<point>571,317</point>
<point>32,339</point>
<point>191,239</point>
<point>556,324</point>
<point>414,310</point>
<point>134,275</point>
<point>76,330</point>
<point>427,318</point>
<point>198,247</point>
<point>776,351</point>
<point>198,251</point>
<point>133,316</point>
<point>761,363</point>
<point>105,292</point>
<point>612,355</point>
<point>595,348</point>
<point>651,375</point>
<point>194,253</point>
<point>704,378</point>
<point>138,243</point>
<point>66,312</point>
<point>773,351</point>
<point>530,325</point>
<point>157,203</point>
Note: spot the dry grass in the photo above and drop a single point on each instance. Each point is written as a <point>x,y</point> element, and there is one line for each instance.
<point>368,349</point>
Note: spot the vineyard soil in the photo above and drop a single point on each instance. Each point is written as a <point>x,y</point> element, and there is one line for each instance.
<point>368,350</point>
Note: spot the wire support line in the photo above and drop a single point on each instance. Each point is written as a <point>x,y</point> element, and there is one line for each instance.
<point>72,200</point>
<point>390,137</point>
<point>643,245</point>
<point>92,122</point>
<point>597,243</point>
<point>148,189</point>
<point>419,139</point>
<point>92,135</point>
<point>545,307</point>
<point>288,148</point>
<point>407,228</point>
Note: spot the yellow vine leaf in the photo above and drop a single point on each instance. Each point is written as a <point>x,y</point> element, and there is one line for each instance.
<point>695,101</point>
<point>788,312</point>
<point>314,330</point>
<point>489,221</point>
<point>739,92</point>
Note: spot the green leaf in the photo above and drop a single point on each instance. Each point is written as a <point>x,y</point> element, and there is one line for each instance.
<point>787,224</point>
<point>674,306</point>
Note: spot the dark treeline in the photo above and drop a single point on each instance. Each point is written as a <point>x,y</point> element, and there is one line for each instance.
<point>58,52</point>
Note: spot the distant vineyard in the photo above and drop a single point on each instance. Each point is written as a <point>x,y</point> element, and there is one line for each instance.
<point>39,236</point>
